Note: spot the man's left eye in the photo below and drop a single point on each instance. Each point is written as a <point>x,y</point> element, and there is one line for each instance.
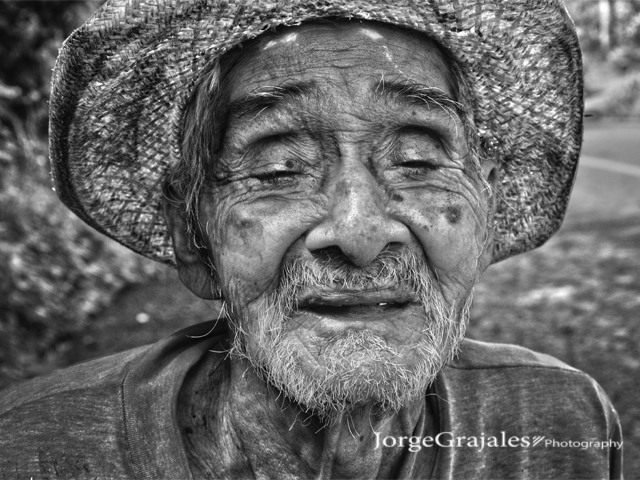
<point>417,169</point>
<point>277,176</point>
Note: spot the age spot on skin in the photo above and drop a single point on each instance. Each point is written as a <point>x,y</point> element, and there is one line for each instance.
<point>452,214</point>
<point>397,197</point>
<point>247,229</point>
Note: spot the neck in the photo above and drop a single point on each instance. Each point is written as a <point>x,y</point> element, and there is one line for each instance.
<point>236,425</point>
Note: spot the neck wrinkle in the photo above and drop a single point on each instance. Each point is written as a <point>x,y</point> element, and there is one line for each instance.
<point>263,418</point>
<point>253,431</point>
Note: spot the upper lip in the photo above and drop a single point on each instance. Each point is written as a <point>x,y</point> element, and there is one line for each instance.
<point>352,298</point>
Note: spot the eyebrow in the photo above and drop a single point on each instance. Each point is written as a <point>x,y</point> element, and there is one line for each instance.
<point>404,91</point>
<point>263,98</point>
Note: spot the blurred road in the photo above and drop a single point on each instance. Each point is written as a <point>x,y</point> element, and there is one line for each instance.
<point>617,141</point>
<point>607,186</point>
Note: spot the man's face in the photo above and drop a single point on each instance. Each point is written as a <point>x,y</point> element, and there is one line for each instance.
<point>347,221</point>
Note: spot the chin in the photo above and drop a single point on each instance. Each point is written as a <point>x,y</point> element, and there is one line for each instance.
<point>356,369</point>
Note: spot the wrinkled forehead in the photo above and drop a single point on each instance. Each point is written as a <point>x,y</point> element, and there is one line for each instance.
<point>375,49</point>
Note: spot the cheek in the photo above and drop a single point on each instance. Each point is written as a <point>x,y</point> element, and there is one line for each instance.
<point>249,242</point>
<point>452,248</point>
<point>450,232</point>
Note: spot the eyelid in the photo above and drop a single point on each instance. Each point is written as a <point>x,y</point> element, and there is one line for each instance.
<point>435,134</point>
<point>269,128</point>
<point>278,167</point>
<point>268,139</point>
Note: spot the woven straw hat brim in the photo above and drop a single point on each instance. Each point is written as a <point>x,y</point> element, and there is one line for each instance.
<point>122,82</point>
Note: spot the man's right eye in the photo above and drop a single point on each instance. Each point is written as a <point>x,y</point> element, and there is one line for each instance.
<point>419,165</point>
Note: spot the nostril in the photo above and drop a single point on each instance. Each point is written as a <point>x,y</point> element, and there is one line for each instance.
<point>330,254</point>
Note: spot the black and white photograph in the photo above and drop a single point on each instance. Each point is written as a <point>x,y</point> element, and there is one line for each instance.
<point>319,239</point>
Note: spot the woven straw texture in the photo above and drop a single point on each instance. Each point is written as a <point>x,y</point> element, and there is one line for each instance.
<point>122,82</point>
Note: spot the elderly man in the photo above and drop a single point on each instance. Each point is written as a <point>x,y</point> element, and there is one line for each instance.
<point>340,182</point>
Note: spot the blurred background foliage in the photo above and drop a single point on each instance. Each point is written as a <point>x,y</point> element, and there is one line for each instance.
<point>609,32</point>
<point>65,289</point>
<point>56,271</point>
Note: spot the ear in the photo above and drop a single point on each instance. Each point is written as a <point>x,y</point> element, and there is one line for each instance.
<point>491,174</point>
<point>192,270</point>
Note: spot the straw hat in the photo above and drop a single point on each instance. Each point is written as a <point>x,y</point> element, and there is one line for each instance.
<point>122,82</point>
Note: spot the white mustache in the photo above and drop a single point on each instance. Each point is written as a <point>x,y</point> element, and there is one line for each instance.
<point>394,276</point>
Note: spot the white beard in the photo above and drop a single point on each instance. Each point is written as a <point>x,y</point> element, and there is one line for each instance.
<point>359,367</point>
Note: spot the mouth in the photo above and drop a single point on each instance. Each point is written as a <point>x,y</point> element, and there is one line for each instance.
<point>355,304</point>
<point>355,310</point>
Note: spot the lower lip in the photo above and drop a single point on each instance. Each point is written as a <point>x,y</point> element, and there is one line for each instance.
<point>356,311</point>
<point>333,320</point>
<point>396,323</point>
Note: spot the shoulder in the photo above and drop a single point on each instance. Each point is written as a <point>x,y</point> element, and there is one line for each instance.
<point>107,373</point>
<point>97,419</point>
<point>98,374</point>
<point>475,355</point>
<point>519,382</point>
<point>510,390</point>
<point>67,423</point>
<point>512,369</point>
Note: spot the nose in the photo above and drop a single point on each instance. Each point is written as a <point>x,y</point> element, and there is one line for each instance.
<point>357,222</point>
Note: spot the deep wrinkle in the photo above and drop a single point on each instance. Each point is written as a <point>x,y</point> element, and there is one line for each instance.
<point>299,137</point>
<point>273,111</point>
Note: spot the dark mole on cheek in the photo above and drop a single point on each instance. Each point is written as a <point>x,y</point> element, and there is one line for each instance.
<point>245,229</point>
<point>453,214</point>
<point>397,197</point>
